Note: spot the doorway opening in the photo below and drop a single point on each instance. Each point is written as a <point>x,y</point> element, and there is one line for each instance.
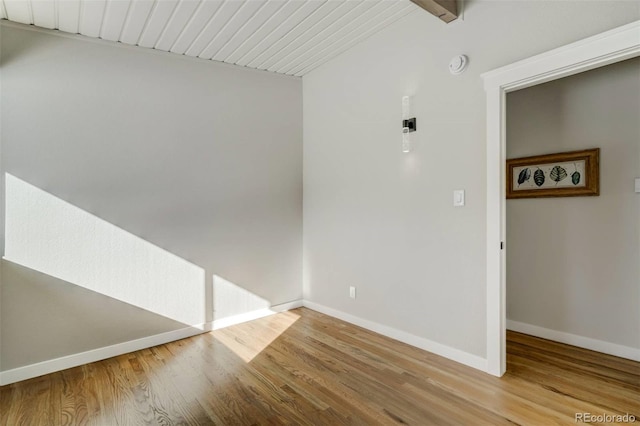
<point>572,268</point>
<point>607,48</point>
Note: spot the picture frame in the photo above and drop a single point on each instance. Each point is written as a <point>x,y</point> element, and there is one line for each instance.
<point>564,174</point>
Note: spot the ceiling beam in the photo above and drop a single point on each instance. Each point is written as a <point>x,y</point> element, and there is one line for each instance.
<point>446,10</point>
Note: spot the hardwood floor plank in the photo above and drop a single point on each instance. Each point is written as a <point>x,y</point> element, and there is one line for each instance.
<point>571,384</point>
<point>63,401</point>
<point>164,393</point>
<point>575,353</point>
<point>302,367</point>
<point>287,369</point>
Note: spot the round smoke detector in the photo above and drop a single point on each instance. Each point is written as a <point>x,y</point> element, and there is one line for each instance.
<point>458,64</point>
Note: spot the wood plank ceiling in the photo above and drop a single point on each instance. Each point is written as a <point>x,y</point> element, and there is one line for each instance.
<point>284,36</point>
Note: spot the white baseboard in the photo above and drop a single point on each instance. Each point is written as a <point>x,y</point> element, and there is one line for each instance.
<point>62,363</point>
<point>575,340</point>
<point>50,366</point>
<point>428,345</point>
<point>250,316</point>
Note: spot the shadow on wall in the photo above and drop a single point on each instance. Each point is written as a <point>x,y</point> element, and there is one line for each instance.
<point>56,238</point>
<point>46,318</point>
<point>53,237</point>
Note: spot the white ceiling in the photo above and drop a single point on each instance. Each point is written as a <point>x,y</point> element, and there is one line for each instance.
<point>284,36</point>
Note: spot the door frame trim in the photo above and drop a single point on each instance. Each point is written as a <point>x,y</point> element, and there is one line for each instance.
<point>600,50</point>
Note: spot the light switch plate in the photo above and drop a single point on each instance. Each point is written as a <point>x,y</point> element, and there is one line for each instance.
<point>458,198</point>
<point>637,184</point>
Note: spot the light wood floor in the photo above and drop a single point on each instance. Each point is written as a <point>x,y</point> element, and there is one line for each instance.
<point>302,367</point>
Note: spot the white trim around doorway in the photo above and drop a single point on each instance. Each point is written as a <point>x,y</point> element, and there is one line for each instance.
<point>603,49</point>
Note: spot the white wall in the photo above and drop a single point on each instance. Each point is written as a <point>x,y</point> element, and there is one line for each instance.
<point>1,203</point>
<point>382,220</point>
<point>49,318</point>
<point>197,159</point>
<point>573,263</point>
<point>58,239</point>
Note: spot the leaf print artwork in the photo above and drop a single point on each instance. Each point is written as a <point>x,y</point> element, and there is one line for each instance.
<point>563,174</point>
<point>524,176</point>
<point>538,177</point>
<point>575,177</point>
<point>557,174</point>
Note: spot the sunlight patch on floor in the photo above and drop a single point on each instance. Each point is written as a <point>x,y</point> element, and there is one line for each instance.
<point>249,339</point>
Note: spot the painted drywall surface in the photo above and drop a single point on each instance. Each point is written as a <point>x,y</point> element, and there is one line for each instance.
<point>64,316</point>
<point>573,262</point>
<point>383,221</point>
<point>199,159</point>
<point>63,241</point>
<point>1,205</point>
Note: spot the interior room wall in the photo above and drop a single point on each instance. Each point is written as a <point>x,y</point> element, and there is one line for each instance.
<point>384,221</point>
<point>1,204</point>
<point>68,317</point>
<point>199,160</point>
<point>573,261</point>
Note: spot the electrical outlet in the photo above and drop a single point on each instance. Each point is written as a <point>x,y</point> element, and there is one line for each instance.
<point>352,292</point>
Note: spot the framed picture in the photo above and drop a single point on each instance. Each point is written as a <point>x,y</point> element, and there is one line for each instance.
<point>566,174</point>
